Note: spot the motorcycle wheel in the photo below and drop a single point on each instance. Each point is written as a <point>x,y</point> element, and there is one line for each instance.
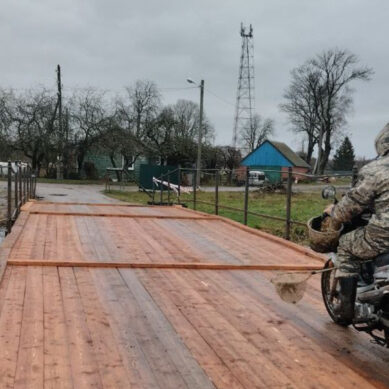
<point>330,290</point>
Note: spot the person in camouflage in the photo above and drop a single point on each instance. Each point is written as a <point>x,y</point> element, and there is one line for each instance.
<point>370,193</point>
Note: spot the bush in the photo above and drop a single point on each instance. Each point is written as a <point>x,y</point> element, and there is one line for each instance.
<point>90,171</point>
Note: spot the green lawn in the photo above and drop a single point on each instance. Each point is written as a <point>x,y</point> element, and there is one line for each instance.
<point>304,206</point>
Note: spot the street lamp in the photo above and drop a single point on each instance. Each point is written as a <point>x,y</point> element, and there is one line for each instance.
<point>198,163</point>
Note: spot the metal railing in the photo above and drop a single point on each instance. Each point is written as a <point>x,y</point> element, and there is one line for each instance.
<point>289,174</point>
<point>21,186</point>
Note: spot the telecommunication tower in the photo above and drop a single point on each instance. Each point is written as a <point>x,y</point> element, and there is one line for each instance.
<point>245,95</point>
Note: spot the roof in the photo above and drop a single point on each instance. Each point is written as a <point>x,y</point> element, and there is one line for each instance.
<point>284,150</point>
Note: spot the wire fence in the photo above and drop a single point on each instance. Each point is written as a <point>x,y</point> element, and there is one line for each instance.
<point>21,186</point>
<point>165,192</point>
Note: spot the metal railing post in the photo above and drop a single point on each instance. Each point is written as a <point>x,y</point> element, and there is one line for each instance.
<point>153,191</point>
<point>288,203</point>
<point>179,184</point>
<point>24,185</point>
<point>355,175</point>
<point>194,188</point>
<point>28,183</point>
<point>35,180</point>
<point>20,184</point>
<point>217,192</point>
<point>246,196</point>
<point>168,187</point>
<point>16,174</point>
<point>161,188</point>
<point>9,198</point>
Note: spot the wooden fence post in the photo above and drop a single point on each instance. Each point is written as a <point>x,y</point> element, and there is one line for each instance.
<point>217,192</point>
<point>288,203</point>
<point>246,196</point>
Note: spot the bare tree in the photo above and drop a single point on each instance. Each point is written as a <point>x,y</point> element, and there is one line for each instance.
<point>88,116</point>
<point>259,131</point>
<point>33,116</point>
<point>6,146</point>
<point>135,112</point>
<point>320,98</point>
<point>302,106</point>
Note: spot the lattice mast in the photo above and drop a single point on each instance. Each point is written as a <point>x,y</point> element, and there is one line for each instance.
<point>245,96</point>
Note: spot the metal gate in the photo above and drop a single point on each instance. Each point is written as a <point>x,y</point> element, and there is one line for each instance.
<point>147,172</point>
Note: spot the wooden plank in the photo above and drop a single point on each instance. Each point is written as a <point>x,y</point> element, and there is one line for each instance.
<point>239,355</point>
<point>276,332</point>
<point>30,369</point>
<point>187,366</point>
<point>262,234</point>
<point>112,371</point>
<point>101,204</point>
<point>57,374</point>
<point>133,317</point>
<point>163,265</point>
<point>10,326</point>
<point>85,370</point>
<point>114,293</point>
<point>351,348</point>
<point>210,361</point>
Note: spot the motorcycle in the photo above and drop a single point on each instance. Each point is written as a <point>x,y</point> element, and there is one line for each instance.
<point>372,295</point>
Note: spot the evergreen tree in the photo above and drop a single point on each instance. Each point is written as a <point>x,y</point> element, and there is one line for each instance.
<point>344,158</point>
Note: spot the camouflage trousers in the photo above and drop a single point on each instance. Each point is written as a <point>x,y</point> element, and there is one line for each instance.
<point>356,246</point>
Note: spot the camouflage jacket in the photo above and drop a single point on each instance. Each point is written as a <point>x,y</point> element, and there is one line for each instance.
<point>371,192</point>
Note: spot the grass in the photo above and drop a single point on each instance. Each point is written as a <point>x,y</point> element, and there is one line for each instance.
<point>304,206</point>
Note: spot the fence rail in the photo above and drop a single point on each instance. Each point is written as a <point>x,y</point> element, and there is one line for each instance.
<point>21,186</point>
<point>290,175</point>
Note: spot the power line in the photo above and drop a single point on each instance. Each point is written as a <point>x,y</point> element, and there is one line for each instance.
<point>218,97</point>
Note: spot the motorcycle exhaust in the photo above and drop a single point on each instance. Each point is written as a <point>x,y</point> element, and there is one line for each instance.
<point>373,295</point>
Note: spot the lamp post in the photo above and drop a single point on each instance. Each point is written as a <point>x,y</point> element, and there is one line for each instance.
<point>198,163</point>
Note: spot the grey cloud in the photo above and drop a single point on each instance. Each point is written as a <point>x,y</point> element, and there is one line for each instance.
<point>111,44</point>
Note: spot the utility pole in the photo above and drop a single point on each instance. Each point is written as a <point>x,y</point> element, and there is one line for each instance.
<point>60,122</point>
<point>198,164</point>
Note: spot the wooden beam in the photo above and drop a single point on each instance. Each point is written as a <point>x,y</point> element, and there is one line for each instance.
<point>179,217</point>
<point>100,204</point>
<point>164,265</point>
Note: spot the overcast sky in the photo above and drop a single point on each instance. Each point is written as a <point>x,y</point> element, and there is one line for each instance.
<point>108,44</point>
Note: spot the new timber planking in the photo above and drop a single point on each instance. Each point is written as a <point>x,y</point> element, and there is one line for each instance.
<point>175,299</point>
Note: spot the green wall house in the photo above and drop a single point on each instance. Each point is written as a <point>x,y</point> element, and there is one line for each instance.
<point>100,162</point>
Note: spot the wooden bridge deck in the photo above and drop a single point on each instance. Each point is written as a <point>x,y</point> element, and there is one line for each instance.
<point>92,322</point>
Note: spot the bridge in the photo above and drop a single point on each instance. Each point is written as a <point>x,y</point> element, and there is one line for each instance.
<point>123,296</point>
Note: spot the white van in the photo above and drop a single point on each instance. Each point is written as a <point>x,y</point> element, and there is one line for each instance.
<point>257,178</point>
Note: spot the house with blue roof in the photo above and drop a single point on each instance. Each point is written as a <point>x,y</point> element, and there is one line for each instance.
<point>274,158</point>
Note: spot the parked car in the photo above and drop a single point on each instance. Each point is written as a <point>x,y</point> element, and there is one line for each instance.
<point>257,178</point>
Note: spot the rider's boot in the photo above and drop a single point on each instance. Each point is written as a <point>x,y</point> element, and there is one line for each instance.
<point>347,295</point>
